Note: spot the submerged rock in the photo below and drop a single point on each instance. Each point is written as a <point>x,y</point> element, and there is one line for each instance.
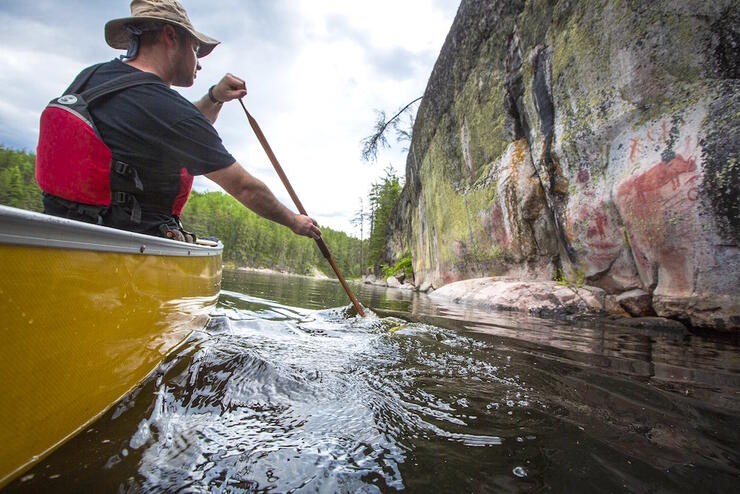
<point>426,287</point>
<point>637,302</point>
<point>660,323</point>
<point>373,280</point>
<point>392,282</point>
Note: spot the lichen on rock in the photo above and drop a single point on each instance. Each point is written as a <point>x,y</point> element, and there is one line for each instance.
<point>591,137</point>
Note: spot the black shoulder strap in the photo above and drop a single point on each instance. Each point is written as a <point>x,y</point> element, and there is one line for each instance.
<point>81,79</point>
<point>120,83</point>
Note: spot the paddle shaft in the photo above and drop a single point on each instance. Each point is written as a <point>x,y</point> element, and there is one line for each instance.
<point>319,241</point>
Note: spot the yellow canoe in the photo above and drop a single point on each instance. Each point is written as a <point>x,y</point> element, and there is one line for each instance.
<point>86,313</point>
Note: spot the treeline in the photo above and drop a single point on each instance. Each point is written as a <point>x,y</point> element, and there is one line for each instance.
<point>248,240</point>
<point>17,180</point>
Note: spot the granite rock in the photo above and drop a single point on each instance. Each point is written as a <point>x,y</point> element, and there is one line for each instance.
<point>592,142</point>
<point>533,297</point>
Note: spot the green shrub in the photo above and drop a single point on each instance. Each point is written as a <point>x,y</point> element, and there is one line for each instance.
<point>403,264</point>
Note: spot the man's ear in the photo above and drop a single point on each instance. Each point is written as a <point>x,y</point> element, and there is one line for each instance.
<point>169,36</point>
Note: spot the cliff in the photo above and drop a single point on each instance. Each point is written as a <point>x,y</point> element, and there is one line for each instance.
<point>589,140</point>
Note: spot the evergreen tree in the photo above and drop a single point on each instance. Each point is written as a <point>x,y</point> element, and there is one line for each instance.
<point>382,198</point>
<point>17,180</point>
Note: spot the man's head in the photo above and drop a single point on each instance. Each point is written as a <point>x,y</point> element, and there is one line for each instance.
<point>146,11</point>
<point>163,25</point>
<point>173,50</point>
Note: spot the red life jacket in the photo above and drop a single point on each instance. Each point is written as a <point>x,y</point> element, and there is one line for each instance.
<point>74,164</point>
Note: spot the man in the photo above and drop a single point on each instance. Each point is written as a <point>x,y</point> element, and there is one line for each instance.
<point>158,139</point>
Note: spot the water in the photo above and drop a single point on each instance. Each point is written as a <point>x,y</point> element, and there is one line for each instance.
<point>285,391</point>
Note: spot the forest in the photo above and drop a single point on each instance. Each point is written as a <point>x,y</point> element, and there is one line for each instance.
<point>249,240</point>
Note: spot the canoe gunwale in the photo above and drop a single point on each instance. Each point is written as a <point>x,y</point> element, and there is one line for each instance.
<point>20,227</point>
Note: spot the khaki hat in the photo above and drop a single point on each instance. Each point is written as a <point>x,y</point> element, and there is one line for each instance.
<point>169,11</point>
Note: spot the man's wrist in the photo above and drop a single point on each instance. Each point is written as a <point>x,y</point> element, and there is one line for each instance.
<point>296,223</point>
<point>213,99</point>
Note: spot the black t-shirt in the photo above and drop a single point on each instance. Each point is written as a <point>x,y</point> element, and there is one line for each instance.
<point>158,131</point>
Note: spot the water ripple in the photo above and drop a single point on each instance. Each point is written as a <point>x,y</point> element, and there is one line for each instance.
<point>276,398</point>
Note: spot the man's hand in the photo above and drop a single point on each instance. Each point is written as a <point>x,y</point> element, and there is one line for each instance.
<point>303,225</point>
<point>229,87</point>
<point>255,195</point>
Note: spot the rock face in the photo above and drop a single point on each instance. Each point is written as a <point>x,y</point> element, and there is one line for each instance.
<point>583,139</point>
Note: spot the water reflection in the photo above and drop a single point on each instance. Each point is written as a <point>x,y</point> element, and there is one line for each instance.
<point>281,394</point>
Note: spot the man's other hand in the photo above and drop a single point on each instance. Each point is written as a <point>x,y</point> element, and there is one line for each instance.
<point>303,225</point>
<point>230,87</point>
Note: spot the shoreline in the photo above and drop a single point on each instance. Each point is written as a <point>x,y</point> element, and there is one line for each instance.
<point>316,275</point>
<point>539,298</point>
<point>553,300</point>
<point>276,272</point>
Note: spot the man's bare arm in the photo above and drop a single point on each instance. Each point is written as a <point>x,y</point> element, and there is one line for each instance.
<point>255,195</point>
<point>228,88</point>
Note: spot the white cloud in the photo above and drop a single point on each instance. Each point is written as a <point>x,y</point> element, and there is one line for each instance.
<point>315,71</point>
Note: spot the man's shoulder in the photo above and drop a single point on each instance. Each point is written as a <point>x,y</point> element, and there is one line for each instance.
<point>109,70</point>
<point>116,68</point>
<point>151,96</point>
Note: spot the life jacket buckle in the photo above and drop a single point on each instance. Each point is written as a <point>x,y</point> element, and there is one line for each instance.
<point>121,198</point>
<point>120,167</point>
<point>127,200</point>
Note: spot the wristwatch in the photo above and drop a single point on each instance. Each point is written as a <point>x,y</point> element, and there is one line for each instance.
<point>212,97</point>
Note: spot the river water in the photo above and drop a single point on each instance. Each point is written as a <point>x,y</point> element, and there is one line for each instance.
<point>287,391</point>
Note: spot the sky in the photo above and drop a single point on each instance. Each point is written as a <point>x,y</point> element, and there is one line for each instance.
<point>316,72</point>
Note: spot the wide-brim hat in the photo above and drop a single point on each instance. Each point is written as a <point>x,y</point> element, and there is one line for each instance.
<point>169,11</point>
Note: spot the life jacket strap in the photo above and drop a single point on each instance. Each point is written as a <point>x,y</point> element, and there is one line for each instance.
<point>82,79</point>
<point>118,84</point>
<point>74,210</point>
<point>128,201</point>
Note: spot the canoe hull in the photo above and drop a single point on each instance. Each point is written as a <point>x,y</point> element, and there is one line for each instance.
<point>80,329</point>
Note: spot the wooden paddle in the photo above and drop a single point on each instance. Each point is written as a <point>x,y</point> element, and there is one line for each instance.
<point>279,169</point>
